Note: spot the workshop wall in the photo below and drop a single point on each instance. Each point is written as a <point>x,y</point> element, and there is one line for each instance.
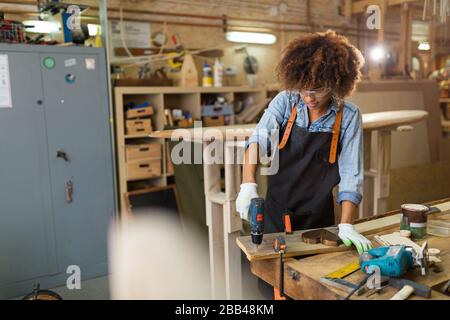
<point>321,12</point>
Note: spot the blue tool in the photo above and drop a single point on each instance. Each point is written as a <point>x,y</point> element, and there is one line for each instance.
<point>394,261</point>
<point>257,220</point>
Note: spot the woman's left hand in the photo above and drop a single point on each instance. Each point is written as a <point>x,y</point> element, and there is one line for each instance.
<point>350,236</point>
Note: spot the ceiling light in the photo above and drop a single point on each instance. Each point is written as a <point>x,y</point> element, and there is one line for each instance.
<point>94,29</point>
<point>35,26</point>
<point>251,37</point>
<point>377,54</point>
<point>424,46</point>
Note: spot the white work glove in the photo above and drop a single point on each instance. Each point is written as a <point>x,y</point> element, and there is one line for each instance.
<point>247,193</point>
<point>350,236</point>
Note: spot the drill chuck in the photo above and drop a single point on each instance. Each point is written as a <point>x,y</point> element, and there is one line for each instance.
<point>257,220</point>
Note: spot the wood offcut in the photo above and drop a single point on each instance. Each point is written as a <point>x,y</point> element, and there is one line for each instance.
<point>322,236</point>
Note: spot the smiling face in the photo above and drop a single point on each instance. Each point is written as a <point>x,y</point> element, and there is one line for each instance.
<point>315,99</point>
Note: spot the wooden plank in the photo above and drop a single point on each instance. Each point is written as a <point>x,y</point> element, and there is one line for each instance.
<point>371,121</point>
<point>296,246</point>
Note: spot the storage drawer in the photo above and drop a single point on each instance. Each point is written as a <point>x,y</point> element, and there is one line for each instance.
<point>143,151</point>
<point>214,121</point>
<point>143,169</point>
<point>139,113</point>
<point>139,126</point>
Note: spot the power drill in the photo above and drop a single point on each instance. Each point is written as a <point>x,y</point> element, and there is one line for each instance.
<point>257,220</point>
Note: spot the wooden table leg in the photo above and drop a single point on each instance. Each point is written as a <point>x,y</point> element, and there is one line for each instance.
<point>232,226</point>
<point>383,164</point>
<point>214,220</point>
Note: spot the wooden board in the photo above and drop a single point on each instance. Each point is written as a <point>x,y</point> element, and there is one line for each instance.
<point>296,246</point>
<point>371,121</point>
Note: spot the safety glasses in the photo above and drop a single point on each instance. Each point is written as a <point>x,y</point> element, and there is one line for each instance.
<point>317,94</point>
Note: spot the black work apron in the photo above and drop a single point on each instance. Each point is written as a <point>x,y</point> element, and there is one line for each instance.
<point>308,172</point>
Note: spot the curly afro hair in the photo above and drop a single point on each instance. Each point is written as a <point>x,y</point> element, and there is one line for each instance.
<point>321,60</point>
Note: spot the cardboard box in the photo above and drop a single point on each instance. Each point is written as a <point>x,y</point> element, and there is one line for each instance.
<point>143,169</point>
<point>144,151</point>
<point>139,113</point>
<point>142,126</point>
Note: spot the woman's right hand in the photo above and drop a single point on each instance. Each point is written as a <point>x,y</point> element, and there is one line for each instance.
<point>247,193</point>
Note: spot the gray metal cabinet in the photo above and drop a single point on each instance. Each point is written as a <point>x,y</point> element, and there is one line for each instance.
<point>57,194</point>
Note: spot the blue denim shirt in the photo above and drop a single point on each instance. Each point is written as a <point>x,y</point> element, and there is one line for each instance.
<point>351,157</point>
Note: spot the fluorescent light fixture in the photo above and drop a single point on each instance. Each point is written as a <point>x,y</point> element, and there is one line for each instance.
<point>94,29</point>
<point>424,46</point>
<point>250,37</point>
<point>36,26</point>
<point>377,54</point>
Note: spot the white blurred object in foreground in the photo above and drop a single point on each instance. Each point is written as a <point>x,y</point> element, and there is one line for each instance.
<point>152,257</point>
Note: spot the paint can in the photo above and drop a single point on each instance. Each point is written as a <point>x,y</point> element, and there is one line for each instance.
<point>414,219</point>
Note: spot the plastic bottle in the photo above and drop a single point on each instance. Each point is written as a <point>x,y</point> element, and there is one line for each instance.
<point>207,76</point>
<point>218,74</point>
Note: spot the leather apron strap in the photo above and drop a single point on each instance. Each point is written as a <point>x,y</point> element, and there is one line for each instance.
<point>336,131</point>
<point>334,139</point>
<point>289,126</point>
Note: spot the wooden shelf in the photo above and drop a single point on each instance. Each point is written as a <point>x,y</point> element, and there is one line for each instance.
<point>136,136</point>
<point>188,99</point>
<point>149,178</point>
<point>447,100</point>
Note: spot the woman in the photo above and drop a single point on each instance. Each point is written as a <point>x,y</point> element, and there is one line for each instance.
<point>321,142</point>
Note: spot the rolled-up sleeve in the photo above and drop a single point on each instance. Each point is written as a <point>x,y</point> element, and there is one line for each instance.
<point>351,161</point>
<point>272,119</point>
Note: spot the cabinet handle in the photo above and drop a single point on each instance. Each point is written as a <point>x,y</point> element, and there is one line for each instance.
<point>62,154</point>
<point>69,191</point>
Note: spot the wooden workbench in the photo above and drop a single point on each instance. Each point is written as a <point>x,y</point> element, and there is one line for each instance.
<point>224,223</point>
<point>302,275</point>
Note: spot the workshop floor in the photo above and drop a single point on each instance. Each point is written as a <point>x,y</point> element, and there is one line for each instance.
<point>98,288</point>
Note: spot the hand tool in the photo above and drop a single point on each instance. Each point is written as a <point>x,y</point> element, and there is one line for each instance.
<point>279,246</point>
<point>287,223</point>
<point>394,261</point>
<point>408,287</point>
<point>359,286</point>
<point>344,271</point>
<point>257,220</point>
<point>343,285</point>
<point>376,290</point>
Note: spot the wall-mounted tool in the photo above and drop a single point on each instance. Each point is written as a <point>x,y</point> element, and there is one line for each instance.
<point>257,220</point>
<point>250,63</point>
<point>279,246</point>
